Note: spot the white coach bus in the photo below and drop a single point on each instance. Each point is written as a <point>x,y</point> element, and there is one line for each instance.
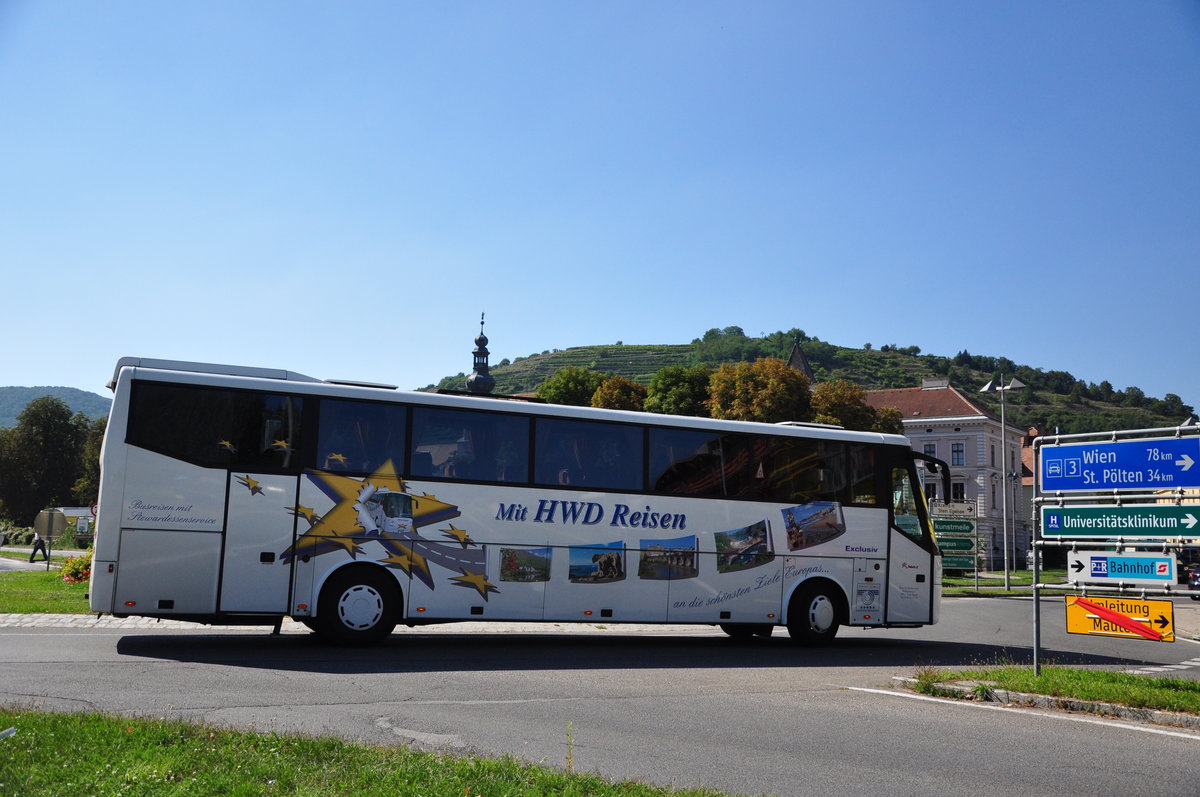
<point>246,495</point>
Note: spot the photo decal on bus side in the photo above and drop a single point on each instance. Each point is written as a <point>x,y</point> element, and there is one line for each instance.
<point>525,565</point>
<point>670,559</point>
<point>597,564</point>
<point>813,524</point>
<point>744,548</point>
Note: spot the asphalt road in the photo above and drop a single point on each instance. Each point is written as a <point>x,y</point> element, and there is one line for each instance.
<point>681,706</point>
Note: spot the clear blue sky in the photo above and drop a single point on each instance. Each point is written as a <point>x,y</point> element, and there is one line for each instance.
<point>341,189</point>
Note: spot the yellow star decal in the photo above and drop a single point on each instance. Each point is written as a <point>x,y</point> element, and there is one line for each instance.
<point>306,512</point>
<point>254,487</point>
<point>407,560</point>
<point>227,445</point>
<point>338,458</point>
<point>281,445</point>
<point>455,533</point>
<point>477,581</point>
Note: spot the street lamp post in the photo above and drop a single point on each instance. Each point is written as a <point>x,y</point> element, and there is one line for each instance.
<point>1001,388</point>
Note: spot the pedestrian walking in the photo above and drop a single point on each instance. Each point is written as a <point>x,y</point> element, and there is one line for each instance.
<point>39,544</point>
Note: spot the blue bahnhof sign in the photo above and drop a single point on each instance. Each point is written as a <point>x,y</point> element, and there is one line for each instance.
<point>1149,464</point>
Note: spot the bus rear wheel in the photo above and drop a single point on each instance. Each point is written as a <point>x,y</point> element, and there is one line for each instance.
<point>358,606</point>
<point>814,615</point>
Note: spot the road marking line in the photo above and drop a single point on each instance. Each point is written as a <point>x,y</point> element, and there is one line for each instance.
<point>1034,711</point>
<point>430,739</point>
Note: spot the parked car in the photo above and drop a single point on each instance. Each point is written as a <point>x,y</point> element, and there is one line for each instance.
<point>1193,581</point>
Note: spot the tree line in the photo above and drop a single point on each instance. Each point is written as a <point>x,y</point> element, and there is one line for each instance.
<point>766,390</point>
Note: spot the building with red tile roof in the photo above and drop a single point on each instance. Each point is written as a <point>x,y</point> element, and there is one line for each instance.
<point>984,469</point>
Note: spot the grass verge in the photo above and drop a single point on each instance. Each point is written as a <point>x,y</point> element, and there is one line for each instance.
<point>73,754</point>
<point>41,592</point>
<point>1125,689</point>
<point>1020,582</point>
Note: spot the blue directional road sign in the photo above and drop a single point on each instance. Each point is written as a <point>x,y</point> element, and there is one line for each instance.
<point>1150,464</point>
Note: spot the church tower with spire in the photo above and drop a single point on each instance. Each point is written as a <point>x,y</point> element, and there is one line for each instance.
<point>480,381</point>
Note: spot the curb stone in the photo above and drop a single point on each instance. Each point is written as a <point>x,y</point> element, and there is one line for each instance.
<point>967,689</point>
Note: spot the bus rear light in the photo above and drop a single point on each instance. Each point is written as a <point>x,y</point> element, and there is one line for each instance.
<point>771,616</point>
<point>587,612</point>
<point>301,607</point>
<point>111,568</point>
<point>131,603</point>
<point>866,617</point>
<point>420,608</point>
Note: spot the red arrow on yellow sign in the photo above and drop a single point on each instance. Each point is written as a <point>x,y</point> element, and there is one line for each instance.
<point>1121,617</point>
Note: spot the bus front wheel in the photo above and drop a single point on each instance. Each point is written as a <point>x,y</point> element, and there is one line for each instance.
<point>358,606</point>
<point>814,615</point>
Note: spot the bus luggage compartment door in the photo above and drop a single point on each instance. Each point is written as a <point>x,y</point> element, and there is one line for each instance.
<point>260,527</point>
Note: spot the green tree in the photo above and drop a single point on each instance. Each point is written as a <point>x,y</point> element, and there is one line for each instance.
<point>676,390</point>
<point>766,390</point>
<point>842,403</point>
<point>87,486</point>
<point>40,459</point>
<point>619,393</point>
<point>888,420</point>
<point>571,385</point>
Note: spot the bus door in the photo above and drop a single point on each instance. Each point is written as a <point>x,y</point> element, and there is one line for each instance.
<point>259,527</point>
<point>913,560</point>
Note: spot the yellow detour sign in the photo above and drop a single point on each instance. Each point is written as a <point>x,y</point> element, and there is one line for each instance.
<point>1128,618</point>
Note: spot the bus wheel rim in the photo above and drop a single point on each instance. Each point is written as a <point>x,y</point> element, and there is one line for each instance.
<point>821,614</point>
<point>360,607</point>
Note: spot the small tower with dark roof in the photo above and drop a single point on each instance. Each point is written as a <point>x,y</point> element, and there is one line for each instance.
<point>480,381</point>
<point>798,361</point>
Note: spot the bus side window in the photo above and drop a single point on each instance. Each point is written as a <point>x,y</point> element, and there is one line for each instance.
<point>684,462</point>
<point>473,446</point>
<point>800,471</point>
<point>588,454</point>
<point>863,489</point>
<point>216,428</point>
<point>359,437</point>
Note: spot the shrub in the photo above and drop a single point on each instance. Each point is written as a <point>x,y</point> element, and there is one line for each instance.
<point>77,568</point>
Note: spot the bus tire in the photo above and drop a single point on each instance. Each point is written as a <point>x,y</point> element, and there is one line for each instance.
<point>815,613</point>
<point>358,606</point>
<point>747,630</point>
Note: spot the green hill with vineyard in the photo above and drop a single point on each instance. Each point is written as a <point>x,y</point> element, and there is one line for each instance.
<point>1053,399</point>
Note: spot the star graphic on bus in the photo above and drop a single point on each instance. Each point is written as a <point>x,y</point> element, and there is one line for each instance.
<point>477,581</point>
<point>281,445</point>
<point>254,487</point>
<point>227,445</point>
<point>338,458</point>
<point>379,509</point>
<point>462,536</point>
<point>306,512</point>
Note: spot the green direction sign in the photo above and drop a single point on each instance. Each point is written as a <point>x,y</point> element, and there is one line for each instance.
<point>1148,520</point>
<point>941,526</point>
<point>964,544</point>
<point>958,562</point>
